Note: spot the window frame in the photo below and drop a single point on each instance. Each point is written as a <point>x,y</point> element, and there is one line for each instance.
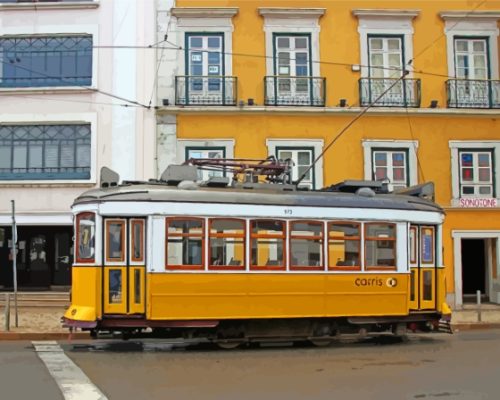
<point>475,183</point>
<point>187,62</point>
<point>283,237</point>
<point>61,82</point>
<point>331,265</point>
<point>470,38</point>
<point>34,176</point>
<point>432,262</point>
<point>202,235</point>
<point>188,148</point>
<point>390,151</point>
<point>371,239</point>
<point>79,217</point>
<point>133,259</point>
<point>276,36</point>
<point>124,245</point>
<point>279,148</point>
<point>243,236</point>
<point>413,253</point>
<point>401,37</point>
<point>321,239</point>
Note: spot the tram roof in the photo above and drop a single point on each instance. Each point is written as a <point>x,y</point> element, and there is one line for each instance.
<point>151,192</point>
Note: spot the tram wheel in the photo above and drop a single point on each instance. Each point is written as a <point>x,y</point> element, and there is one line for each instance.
<point>229,345</point>
<point>321,342</point>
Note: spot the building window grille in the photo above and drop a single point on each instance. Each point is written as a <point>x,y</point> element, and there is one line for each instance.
<point>39,61</point>
<point>45,152</point>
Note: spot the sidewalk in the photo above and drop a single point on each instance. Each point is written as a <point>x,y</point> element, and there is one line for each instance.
<point>44,323</point>
<point>37,323</point>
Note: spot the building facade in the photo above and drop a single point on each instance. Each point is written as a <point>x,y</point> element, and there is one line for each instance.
<point>76,80</point>
<point>250,79</point>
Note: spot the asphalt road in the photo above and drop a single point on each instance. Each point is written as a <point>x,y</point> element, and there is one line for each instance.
<point>447,367</point>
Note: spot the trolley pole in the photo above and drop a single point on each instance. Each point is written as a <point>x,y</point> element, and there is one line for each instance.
<point>14,259</point>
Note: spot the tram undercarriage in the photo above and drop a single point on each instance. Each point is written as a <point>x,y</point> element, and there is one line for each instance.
<point>233,333</point>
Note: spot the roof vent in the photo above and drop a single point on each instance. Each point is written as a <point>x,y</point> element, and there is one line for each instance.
<point>365,192</point>
<point>174,174</point>
<point>109,177</point>
<point>424,191</point>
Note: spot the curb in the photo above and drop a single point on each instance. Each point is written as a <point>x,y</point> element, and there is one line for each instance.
<point>43,335</point>
<point>469,326</point>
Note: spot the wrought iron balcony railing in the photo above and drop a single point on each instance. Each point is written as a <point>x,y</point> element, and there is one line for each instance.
<point>294,91</point>
<point>473,93</point>
<point>405,93</point>
<point>209,90</point>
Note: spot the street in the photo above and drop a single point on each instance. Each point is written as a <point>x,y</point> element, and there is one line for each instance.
<point>460,366</point>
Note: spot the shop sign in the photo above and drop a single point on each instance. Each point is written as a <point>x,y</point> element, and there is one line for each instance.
<point>478,202</point>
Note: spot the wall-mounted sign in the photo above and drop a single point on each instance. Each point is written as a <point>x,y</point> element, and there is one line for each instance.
<point>196,57</point>
<point>478,202</point>
<point>213,69</point>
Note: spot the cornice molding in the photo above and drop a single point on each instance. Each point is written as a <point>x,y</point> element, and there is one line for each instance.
<point>204,12</point>
<point>282,12</point>
<point>395,13</point>
<point>490,14</point>
<point>56,5</point>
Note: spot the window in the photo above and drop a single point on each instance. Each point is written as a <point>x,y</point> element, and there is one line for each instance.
<point>413,245</point>
<point>206,152</point>
<point>36,61</point>
<point>38,152</point>
<point>185,243</point>
<point>267,244</point>
<point>391,165</point>
<point>291,59</point>
<point>380,246</point>
<point>302,152</point>
<point>476,173</point>
<point>115,241</point>
<point>344,246</point>
<point>85,236</point>
<point>427,244</point>
<point>306,245</point>
<point>471,58</point>
<point>386,57</point>
<point>302,159</point>
<point>394,160</point>
<point>137,240</point>
<point>227,244</point>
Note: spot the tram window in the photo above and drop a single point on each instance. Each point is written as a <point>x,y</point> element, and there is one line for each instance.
<point>427,244</point>
<point>184,243</point>
<point>115,240</point>
<point>344,244</point>
<point>380,246</point>
<point>85,233</point>
<point>267,244</point>
<point>306,245</point>
<point>137,240</point>
<point>227,244</point>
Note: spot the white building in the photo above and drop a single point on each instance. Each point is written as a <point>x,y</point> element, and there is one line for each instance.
<point>76,83</point>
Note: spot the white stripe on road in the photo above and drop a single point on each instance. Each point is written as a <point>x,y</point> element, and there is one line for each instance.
<point>74,384</point>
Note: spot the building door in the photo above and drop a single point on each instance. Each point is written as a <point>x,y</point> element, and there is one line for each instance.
<point>423,267</point>
<point>124,266</point>
<point>62,259</point>
<point>473,268</point>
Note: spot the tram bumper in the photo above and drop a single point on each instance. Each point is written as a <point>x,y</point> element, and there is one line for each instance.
<point>79,317</point>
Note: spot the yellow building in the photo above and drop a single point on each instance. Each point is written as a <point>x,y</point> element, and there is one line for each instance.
<point>250,79</point>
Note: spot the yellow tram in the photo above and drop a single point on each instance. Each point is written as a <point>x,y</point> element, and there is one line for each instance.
<point>253,261</point>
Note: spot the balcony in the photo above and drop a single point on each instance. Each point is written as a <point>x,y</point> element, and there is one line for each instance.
<point>294,91</point>
<point>473,93</point>
<point>206,90</point>
<point>405,93</point>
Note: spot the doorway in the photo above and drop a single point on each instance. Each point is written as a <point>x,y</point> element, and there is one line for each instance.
<point>474,269</point>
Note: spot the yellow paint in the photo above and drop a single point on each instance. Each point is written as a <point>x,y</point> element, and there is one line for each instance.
<point>136,302</point>
<point>340,43</point>
<point>268,295</point>
<point>85,294</point>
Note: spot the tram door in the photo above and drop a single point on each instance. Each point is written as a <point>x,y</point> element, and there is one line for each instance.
<point>422,267</point>
<point>124,266</point>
